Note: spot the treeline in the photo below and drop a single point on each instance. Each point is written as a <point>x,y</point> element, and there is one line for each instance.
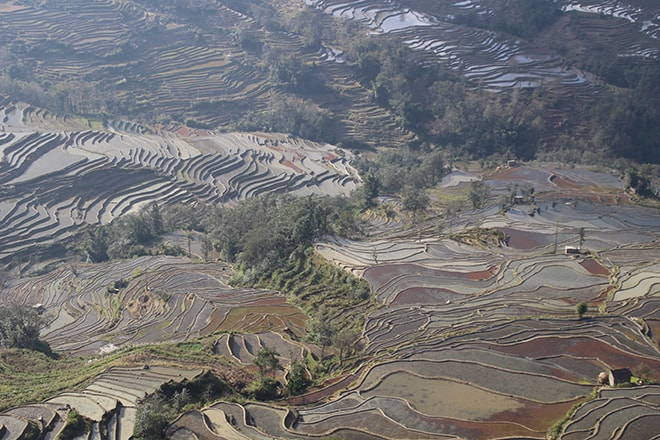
<point>627,124</point>
<point>66,97</point>
<point>127,236</point>
<point>444,110</point>
<point>258,235</point>
<point>290,114</point>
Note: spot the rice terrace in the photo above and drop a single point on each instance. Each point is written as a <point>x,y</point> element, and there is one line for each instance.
<point>324,219</point>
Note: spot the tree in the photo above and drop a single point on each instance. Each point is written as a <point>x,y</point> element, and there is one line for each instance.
<point>180,399</point>
<point>433,169</point>
<point>20,326</point>
<point>322,333</point>
<point>267,361</point>
<point>152,417</point>
<point>265,388</point>
<point>97,243</point>
<point>297,379</point>
<point>478,194</point>
<point>155,219</point>
<point>76,425</point>
<point>581,238</point>
<point>414,201</point>
<point>581,309</point>
<point>344,341</point>
<point>371,189</point>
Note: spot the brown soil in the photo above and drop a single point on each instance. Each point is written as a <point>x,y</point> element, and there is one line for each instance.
<point>330,387</point>
<point>522,239</point>
<point>383,273</point>
<point>183,131</point>
<point>6,7</point>
<point>563,182</point>
<point>288,163</point>
<point>578,346</point>
<point>594,267</point>
<point>444,398</point>
<point>421,295</point>
<point>535,415</point>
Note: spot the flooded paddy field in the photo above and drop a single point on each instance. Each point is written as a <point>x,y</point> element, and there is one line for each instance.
<point>481,328</point>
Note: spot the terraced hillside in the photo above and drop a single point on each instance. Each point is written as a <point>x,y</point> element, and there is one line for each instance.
<point>492,59</point>
<point>208,65</point>
<point>165,299</point>
<point>108,403</point>
<point>471,341</point>
<point>482,342</point>
<point>567,52</point>
<point>54,182</point>
<point>621,412</point>
<point>132,60</point>
<point>476,334</point>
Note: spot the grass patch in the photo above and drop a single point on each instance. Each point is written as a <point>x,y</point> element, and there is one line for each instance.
<point>450,197</point>
<point>480,237</point>
<point>322,289</point>
<point>76,425</point>
<point>30,376</point>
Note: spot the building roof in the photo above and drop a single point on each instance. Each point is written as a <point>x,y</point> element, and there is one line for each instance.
<point>621,375</point>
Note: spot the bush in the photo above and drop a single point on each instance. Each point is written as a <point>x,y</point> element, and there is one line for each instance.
<point>156,411</point>
<point>75,426</point>
<point>152,418</point>
<point>263,389</point>
<point>297,379</point>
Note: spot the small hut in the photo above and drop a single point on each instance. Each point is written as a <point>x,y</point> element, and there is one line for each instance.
<point>568,250</point>
<point>620,376</point>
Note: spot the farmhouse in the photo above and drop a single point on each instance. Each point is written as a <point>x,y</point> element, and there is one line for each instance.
<point>571,250</point>
<point>525,199</point>
<point>619,376</point>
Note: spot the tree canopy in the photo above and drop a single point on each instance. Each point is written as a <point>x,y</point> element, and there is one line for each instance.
<point>267,360</point>
<point>20,326</point>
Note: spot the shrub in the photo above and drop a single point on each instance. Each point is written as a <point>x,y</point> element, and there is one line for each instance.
<point>297,379</point>
<point>75,426</point>
<point>152,418</point>
<point>263,389</point>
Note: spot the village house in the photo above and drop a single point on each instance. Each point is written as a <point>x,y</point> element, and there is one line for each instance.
<point>619,376</point>
<point>571,250</point>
